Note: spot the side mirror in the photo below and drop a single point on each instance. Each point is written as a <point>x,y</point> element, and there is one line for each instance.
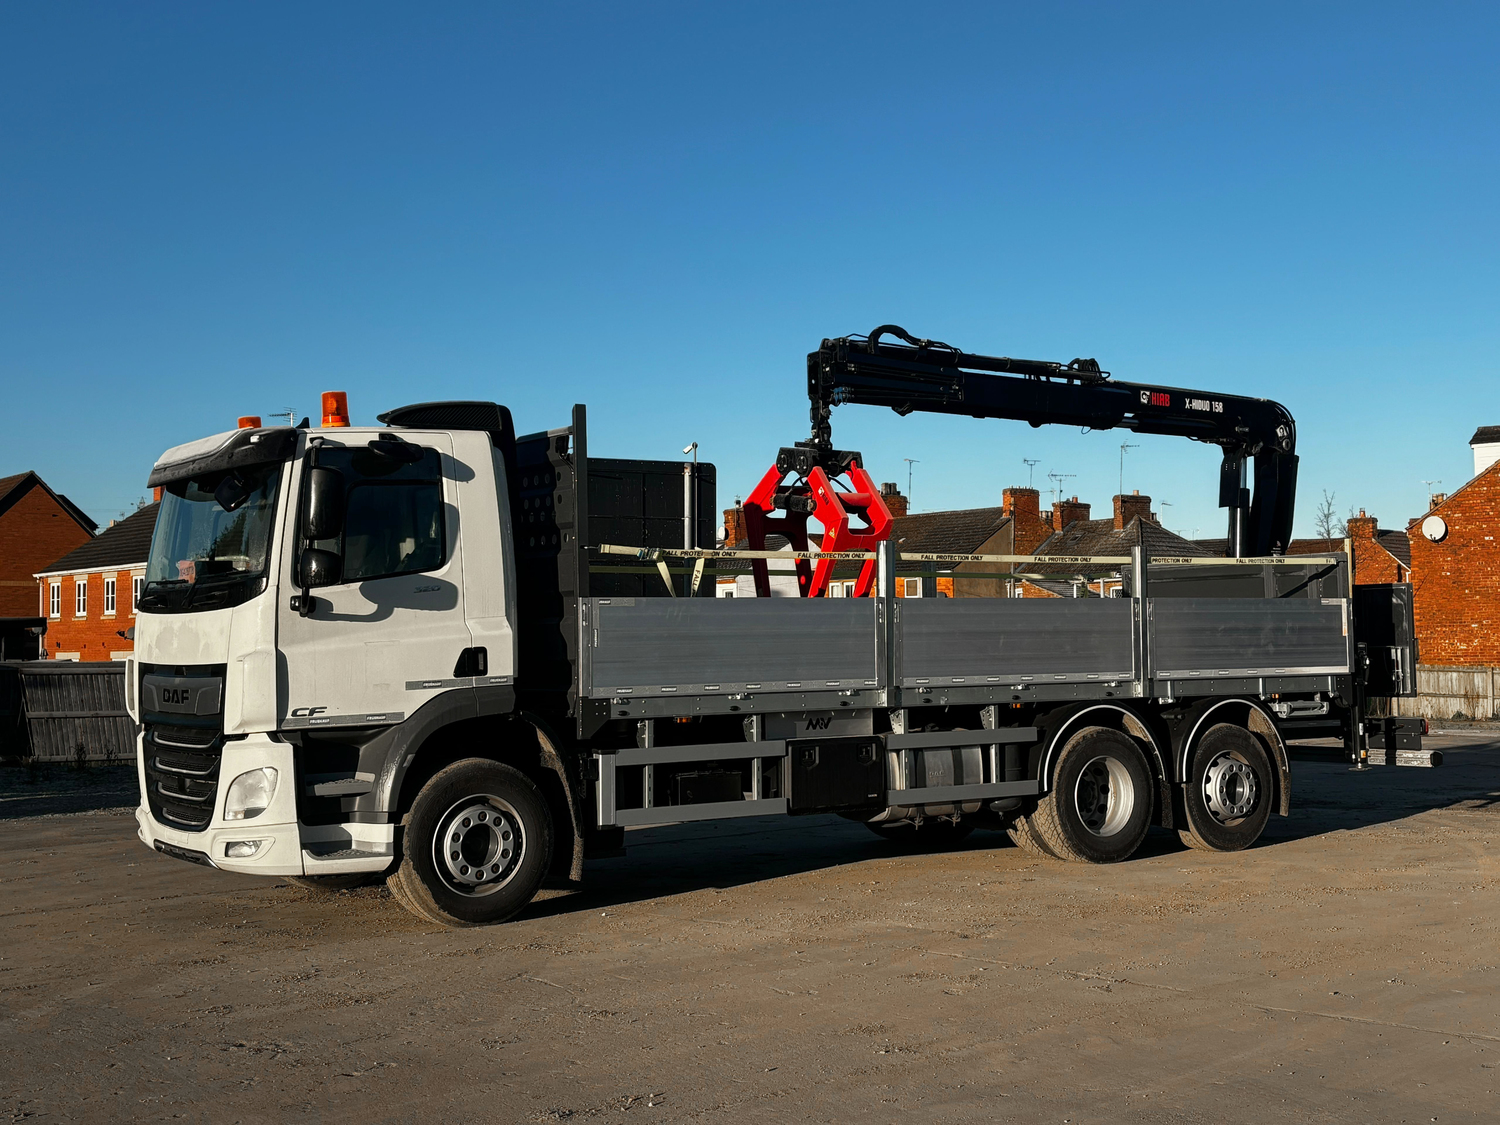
<point>319,568</point>
<point>325,504</point>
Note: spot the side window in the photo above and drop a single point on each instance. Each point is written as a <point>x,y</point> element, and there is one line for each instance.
<point>393,514</point>
<point>54,598</point>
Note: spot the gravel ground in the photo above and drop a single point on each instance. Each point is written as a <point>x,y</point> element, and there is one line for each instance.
<point>1346,969</point>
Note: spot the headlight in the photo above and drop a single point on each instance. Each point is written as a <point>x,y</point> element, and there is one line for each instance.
<point>250,793</point>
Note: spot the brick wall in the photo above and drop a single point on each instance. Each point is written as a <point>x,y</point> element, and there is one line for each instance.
<point>1372,562</point>
<point>1023,506</point>
<point>1068,511</point>
<point>1134,506</point>
<point>734,525</point>
<point>896,502</point>
<point>1456,582</point>
<point>92,636</point>
<point>34,533</point>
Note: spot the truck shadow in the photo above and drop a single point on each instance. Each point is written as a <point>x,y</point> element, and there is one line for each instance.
<point>56,788</point>
<point>1326,797</point>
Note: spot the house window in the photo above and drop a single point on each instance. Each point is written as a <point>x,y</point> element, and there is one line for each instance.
<point>81,596</point>
<point>54,599</point>
<point>109,597</point>
<point>911,587</point>
<point>136,582</point>
<point>836,590</point>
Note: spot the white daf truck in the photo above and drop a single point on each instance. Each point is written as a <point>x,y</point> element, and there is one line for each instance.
<point>398,652</point>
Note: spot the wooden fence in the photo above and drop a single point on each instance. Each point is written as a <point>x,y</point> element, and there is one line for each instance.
<point>61,711</point>
<point>1451,693</point>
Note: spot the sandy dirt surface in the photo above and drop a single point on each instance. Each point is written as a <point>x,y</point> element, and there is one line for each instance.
<point>1346,969</point>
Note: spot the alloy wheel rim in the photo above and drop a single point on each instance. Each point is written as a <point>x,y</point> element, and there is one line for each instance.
<point>479,845</point>
<point>1230,788</point>
<point>1104,795</point>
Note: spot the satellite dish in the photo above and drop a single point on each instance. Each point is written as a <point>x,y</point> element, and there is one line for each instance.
<point>1435,528</point>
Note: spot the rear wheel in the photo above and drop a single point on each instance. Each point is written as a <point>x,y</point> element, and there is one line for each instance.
<point>1227,796</point>
<point>1099,807</point>
<point>932,835</point>
<point>1023,834</point>
<point>477,844</point>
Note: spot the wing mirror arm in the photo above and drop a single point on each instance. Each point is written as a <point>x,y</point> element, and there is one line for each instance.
<point>322,519</point>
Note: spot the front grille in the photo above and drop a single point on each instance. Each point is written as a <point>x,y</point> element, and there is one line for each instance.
<point>189,738</point>
<point>182,779</point>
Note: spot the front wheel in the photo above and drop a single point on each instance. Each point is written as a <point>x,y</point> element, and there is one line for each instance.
<point>1099,807</point>
<point>1227,796</point>
<point>477,843</point>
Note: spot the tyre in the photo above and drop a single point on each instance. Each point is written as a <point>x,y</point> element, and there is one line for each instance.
<point>932,835</point>
<point>336,882</point>
<point>1099,807</point>
<point>1227,795</point>
<point>1023,834</point>
<point>477,843</point>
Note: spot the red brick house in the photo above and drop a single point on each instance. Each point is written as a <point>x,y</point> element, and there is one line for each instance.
<point>1455,563</point>
<point>89,595</point>
<point>1132,524</point>
<point>37,525</point>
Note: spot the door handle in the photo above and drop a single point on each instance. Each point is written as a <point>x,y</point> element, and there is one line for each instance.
<point>472,662</point>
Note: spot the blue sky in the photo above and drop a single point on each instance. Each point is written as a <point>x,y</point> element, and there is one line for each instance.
<point>658,209</point>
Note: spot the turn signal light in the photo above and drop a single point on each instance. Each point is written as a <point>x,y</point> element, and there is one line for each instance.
<point>335,408</point>
<point>250,421</point>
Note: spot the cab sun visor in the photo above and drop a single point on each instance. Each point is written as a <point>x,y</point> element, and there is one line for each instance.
<point>232,450</point>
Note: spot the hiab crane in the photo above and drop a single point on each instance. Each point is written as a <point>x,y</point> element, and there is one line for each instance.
<point>413,651</point>
<point>927,376</point>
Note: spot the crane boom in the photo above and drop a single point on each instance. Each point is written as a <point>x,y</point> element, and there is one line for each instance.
<point>928,376</point>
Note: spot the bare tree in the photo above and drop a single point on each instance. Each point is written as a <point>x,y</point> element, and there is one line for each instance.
<point>1326,519</point>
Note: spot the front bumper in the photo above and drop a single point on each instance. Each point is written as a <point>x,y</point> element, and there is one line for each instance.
<point>280,836</point>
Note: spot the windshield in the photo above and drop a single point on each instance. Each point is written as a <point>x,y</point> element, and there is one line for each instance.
<point>212,539</point>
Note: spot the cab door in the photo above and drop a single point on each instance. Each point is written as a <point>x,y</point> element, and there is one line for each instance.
<point>387,636</point>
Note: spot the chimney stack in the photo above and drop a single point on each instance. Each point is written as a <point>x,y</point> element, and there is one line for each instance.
<point>1134,506</point>
<point>1486,446</point>
<point>734,525</point>
<point>1068,511</point>
<point>893,499</point>
<point>1361,526</point>
<point>1023,507</point>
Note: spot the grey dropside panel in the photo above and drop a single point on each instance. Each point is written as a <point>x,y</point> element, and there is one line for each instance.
<point>976,640</point>
<point>696,645</point>
<point>1213,636</point>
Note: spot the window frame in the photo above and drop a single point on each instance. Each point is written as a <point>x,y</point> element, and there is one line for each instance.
<point>137,584</point>
<point>110,590</point>
<point>54,599</point>
<point>445,555</point>
<point>81,596</point>
<point>906,587</point>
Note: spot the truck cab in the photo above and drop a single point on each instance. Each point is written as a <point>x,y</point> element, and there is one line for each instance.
<point>256,637</point>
